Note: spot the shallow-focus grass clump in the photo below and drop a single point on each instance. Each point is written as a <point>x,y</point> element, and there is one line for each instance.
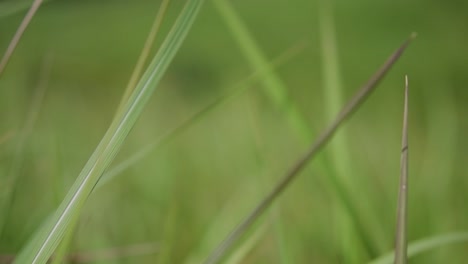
<point>244,95</point>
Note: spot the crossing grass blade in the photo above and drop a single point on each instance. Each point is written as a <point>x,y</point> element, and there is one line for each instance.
<point>353,104</point>
<point>401,240</point>
<point>19,33</point>
<point>43,246</point>
<point>425,245</point>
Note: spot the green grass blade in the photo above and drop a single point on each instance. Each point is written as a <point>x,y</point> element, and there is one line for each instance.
<point>338,149</point>
<point>425,245</point>
<point>401,240</point>
<point>19,33</point>
<point>136,74</point>
<point>352,105</point>
<point>121,125</point>
<point>274,87</point>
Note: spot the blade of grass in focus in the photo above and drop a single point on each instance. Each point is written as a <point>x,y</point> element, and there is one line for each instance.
<point>400,238</point>
<point>19,33</point>
<point>48,238</point>
<point>353,104</point>
<point>66,242</point>
<point>425,245</point>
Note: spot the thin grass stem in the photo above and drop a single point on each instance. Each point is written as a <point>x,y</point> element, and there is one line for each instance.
<point>19,33</point>
<point>401,240</point>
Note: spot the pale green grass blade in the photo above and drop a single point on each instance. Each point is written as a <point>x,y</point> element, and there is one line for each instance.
<point>136,74</point>
<point>425,245</point>
<point>274,87</point>
<point>50,236</point>
<point>400,238</point>
<point>338,149</point>
<point>219,252</point>
<point>19,33</point>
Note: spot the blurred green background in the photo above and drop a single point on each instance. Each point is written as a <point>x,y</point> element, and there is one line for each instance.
<point>186,195</point>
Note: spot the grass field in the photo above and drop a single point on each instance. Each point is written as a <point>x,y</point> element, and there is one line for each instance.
<point>236,103</point>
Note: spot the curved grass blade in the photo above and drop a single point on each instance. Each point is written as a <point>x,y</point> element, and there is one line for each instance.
<point>401,240</point>
<point>50,236</point>
<point>424,245</point>
<point>290,175</point>
<point>19,33</point>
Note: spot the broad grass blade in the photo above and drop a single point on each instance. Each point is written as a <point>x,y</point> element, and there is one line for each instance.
<point>44,245</point>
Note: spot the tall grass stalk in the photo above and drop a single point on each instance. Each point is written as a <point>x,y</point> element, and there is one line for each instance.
<point>220,251</point>
<point>49,237</point>
<point>401,240</point>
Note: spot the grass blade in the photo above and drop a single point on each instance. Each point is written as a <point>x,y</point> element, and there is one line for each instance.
<point>19,33</point>
<point>401,240</point>
<point>275,89</point>
<point>346,112</point>
<point>424,245</point>
<point>121,125</point>
<point>8,8</point>
<point>351,244</point>
<point>136,74</point>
